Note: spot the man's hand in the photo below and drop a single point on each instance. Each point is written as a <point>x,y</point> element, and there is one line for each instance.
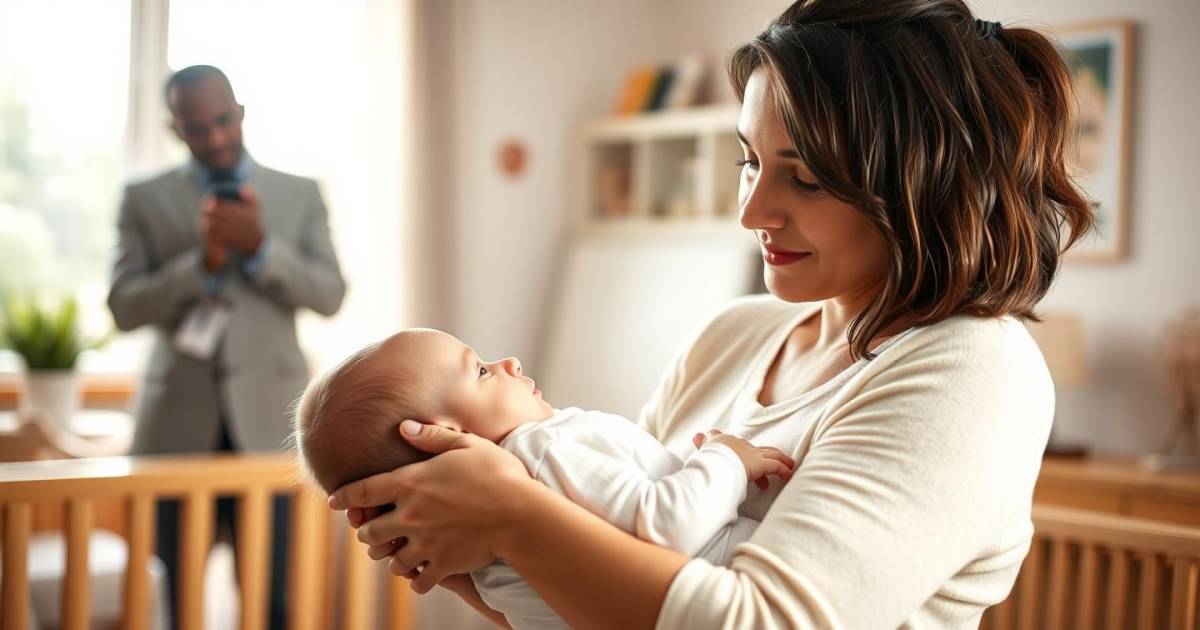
<point>216,253</point>
<point>216,256</point>
<point>759,461</point>
<point>235,223</point>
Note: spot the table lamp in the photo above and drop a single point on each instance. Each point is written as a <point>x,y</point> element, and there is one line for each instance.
<point>1060,337</point>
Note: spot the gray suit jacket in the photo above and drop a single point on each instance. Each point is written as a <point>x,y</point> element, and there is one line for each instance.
<point>258,370</point>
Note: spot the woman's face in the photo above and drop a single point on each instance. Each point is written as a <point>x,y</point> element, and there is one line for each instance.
<point>815,246</point>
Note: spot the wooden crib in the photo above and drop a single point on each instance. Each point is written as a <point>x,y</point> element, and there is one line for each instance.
<point>1084,570</point>
<point>1092,570</point>
<point>119,494</point>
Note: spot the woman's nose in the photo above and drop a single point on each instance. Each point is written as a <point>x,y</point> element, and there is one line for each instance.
<point>756,208</point>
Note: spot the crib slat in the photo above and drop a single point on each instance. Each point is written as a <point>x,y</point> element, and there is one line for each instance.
<point>136,609</point>
<point>1056,600</point>
<point>399,603</point>
<point>1184,584</point>
<point>307,548</point>
<point>1030,581</point>
<point>327,576</point>
<point>14,592</point>
<point>1147,590</point>
<point>253,526</point>
<point>77,598</point>
<point>1089,583</point>
<point>1002,614</point>
<point>356,588</point>
<point>195,538</point>
<point>1118,589</point>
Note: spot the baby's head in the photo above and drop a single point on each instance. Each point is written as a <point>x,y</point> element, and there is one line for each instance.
<point>347,420</point>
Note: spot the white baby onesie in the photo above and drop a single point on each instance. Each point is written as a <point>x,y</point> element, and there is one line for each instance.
<point>619,472</point>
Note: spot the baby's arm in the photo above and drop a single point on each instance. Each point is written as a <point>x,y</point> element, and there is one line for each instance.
<point>682,509</point>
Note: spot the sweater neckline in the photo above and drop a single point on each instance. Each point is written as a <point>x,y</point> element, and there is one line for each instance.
<point>747,394</point>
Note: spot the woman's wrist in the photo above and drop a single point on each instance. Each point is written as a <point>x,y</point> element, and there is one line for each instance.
<point>589,571</point>
<point>524,500</point>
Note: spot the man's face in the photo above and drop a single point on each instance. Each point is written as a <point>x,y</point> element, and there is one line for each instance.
<point>208,119</point>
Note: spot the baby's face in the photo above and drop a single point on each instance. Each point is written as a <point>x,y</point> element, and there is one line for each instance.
<point>488,399</point>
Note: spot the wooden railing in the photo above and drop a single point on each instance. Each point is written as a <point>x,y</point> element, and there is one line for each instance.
<point>1084,570</point>
<point>119,493</point>
<point>1092,570</point>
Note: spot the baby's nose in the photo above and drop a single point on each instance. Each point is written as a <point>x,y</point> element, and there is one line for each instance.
<point>513,365</point>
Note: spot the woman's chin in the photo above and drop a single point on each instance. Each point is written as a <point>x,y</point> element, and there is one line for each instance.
<point>789,290</point>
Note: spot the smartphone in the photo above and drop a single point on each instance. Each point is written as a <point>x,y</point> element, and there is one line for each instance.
<point>229,190</point>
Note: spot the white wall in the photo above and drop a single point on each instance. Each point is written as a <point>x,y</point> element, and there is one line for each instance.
<point>1125,406</point>
<point>531,70</point>
<point>537,69</point>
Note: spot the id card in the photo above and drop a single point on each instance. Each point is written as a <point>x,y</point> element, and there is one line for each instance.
<point>201,329</point>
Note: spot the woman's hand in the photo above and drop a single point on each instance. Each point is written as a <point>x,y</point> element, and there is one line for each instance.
<point>450,510</point>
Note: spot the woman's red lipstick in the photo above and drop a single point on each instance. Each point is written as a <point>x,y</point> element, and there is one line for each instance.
<point>777,256</point>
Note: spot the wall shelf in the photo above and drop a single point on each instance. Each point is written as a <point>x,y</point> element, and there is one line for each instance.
<point>671,171</point>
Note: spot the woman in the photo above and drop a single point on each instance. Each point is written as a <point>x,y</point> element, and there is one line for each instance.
<point>904,174</point>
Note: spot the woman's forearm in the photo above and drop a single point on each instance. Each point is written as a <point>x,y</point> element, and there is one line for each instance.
<point>590,572</point>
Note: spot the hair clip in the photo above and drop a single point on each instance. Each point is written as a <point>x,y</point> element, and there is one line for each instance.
<point>988,29</point>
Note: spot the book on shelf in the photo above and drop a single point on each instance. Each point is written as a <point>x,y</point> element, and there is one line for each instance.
<point>637,90</point>
<point>687,82</point>
<point>653,88</point>
<point>662,87</point>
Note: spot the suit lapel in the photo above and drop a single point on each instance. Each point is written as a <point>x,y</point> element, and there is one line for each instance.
<point>261,181</point>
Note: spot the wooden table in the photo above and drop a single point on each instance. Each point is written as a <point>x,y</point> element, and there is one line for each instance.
<point>1120,486</point>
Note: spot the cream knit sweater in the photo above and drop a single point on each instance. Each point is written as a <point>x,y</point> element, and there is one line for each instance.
<point>910,506</point>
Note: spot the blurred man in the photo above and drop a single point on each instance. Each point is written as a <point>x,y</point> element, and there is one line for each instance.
<point>217,256</point>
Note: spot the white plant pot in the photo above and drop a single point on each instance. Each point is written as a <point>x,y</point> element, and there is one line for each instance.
<point>53,394</point>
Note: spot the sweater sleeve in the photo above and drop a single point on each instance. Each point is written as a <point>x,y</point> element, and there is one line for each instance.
<point>909,479</point>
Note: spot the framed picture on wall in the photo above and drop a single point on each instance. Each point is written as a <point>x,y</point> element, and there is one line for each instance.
<point>1100,58</point>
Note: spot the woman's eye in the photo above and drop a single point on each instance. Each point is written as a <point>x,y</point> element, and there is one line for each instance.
<point>803,185</point>
<point>744,163</point>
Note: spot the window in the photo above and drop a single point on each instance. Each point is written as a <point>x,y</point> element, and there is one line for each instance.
<point>63,105</point>
<point>323,85</point>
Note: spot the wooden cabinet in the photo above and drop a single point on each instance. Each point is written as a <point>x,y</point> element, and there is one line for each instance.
<point>1120,486</point>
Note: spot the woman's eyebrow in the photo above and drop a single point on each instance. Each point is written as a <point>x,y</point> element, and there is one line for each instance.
<point>741,137</point>
<point>790,154</point>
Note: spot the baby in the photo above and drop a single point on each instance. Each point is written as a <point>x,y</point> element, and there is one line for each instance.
<point>346,428</point>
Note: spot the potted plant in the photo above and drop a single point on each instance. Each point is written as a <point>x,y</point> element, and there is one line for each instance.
<point>47,337</point>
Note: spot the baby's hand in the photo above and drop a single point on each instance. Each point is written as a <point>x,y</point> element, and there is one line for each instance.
<point>760,461</point>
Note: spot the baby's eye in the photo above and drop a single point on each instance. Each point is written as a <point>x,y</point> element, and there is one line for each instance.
<point>482,371</point>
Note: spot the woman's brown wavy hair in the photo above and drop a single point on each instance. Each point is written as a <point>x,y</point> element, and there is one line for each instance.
<point>948,137</point>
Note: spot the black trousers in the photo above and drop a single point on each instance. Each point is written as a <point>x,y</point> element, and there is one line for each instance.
<point>167,543</point>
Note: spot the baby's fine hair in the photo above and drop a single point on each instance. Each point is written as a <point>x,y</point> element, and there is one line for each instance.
<point>346,424</point>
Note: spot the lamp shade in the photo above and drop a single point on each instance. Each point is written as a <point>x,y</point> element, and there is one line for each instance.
<point>1060,336</point>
